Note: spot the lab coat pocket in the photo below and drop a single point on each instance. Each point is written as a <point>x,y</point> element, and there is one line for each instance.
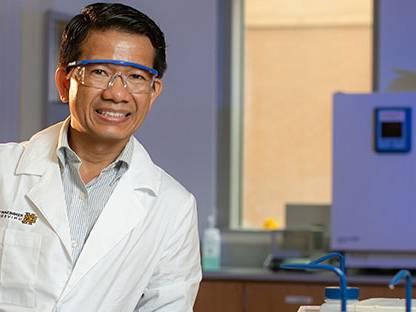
<point>19,258</point>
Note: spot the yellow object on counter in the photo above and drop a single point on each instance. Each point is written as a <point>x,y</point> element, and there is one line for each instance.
<point>271,224</point>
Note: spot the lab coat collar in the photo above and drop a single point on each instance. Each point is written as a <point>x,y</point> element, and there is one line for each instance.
<point>40,153</point>
<point>146,175</point>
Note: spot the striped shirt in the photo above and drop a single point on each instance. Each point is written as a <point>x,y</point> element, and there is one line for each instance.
<point>85,202</point>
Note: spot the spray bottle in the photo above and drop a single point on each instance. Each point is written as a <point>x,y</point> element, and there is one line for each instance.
<point>211,247</point>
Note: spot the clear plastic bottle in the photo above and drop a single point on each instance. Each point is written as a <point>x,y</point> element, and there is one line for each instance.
<point>211,247</point>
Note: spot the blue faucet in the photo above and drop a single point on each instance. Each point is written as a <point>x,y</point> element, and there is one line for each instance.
<point>396,279</point>
<point>316,265</point>
<point>326,267</point>
<point>332,255</point>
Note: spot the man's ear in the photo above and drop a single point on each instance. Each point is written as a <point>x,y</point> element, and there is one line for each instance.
<point>156,90</point>
<point>62,84</point>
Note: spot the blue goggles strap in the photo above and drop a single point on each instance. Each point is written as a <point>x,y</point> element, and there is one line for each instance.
<point>154,72</point>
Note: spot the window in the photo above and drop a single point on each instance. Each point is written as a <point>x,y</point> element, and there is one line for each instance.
<point>288,59</point>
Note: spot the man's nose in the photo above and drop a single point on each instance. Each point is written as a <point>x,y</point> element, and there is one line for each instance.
<point>117,89</point>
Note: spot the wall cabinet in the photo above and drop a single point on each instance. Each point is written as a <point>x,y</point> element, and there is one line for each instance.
<point>250,296</point>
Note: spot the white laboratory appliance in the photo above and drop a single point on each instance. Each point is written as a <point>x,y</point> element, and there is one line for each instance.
<point>373,215</point>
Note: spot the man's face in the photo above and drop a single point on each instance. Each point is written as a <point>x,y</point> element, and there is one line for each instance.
<point>113,114</point>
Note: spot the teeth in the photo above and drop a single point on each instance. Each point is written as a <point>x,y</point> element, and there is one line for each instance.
<point>112,114</point>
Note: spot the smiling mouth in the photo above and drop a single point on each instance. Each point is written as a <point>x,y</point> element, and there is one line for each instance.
<point>112,114</point>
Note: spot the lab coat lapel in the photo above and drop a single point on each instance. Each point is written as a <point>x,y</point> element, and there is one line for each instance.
<point>39,159</point>
<point>122,213</point>
<point>48,196</point>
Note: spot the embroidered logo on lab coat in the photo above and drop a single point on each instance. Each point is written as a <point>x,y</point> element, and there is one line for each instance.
<point>27,218</point>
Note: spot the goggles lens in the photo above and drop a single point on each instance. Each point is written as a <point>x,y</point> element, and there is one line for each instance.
<point>100,74</point>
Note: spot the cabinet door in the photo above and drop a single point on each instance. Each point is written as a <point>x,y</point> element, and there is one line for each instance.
<point>220,296</point>
<point>282,297</point>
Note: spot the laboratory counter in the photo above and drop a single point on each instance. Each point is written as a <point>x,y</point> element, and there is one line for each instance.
<point>260,290</point>
<point>265,275</point>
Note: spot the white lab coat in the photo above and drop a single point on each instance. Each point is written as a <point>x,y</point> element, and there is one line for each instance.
<point>144,245</point>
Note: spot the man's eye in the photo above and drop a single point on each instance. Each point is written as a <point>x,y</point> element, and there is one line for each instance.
<point>136,77</point>
<point>98,72</point>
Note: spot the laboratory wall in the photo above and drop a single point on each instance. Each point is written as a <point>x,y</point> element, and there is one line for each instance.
<point>10,52</point>
<point>395,52</point>
<point>180,132</point>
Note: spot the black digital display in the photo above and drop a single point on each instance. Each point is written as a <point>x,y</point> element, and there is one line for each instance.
<point>391,129</point>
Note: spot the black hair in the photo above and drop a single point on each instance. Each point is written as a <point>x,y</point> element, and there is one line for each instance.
<point>107,16</point>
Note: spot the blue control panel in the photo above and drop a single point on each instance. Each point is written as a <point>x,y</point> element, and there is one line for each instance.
<point>392,129</point>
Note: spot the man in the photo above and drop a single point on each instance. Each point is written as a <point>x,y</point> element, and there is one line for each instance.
<point>87,221</point>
